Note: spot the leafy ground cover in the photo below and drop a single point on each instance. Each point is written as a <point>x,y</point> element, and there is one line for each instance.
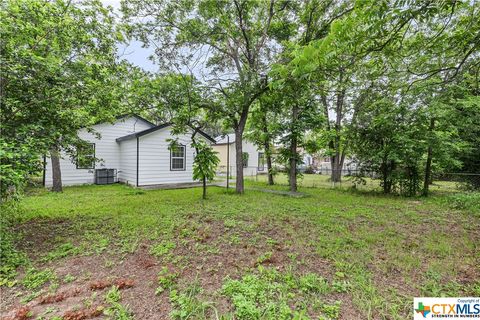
<point>120,253</point>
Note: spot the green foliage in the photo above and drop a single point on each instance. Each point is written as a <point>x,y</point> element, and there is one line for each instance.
<point>264,257</point>
<point>269,293</point>
<point>115,310</point>
<point>58,74</point>
<point>61,251</point>
<point>235,78</point>
<point>113,295</point>
<point>205,163</point>
<point>359,236</point>
<point>11,258</point>
<point>465,201</point>
<point>166,280</point>
<point>35,278</point>
<point>162,249</point>
<point>68,278</point>
<point>188,305</point>
<point>331,311</point>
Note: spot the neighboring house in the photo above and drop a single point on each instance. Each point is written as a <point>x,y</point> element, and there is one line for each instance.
<point>135,149</point>
<point>324,166</point>
<point>254,158</point>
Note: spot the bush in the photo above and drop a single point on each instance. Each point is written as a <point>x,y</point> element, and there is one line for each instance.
<point>465,201</point>
<point>10,257</point>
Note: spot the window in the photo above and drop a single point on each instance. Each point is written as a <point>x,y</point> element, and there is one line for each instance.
<point>245,157</point>
<point>261,161</point>
<point>86,156</point>
<point>177,158</point>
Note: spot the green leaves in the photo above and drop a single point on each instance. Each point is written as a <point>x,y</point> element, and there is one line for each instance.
<point>206,161</point>
<point>59,74</point>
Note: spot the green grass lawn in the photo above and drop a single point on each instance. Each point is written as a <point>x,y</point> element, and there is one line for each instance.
<point>121,253</point>
<point>323,181</point>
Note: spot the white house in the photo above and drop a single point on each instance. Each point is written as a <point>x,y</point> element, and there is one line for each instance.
<point>135,149</point>
<point>254,158</point>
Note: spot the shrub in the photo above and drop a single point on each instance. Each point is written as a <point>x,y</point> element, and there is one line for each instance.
<point>465,201</point>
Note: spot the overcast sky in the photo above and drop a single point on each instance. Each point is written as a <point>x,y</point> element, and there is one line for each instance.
<point>133,52</point>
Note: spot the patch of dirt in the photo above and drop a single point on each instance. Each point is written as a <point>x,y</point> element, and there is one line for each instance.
<point>207,256</point>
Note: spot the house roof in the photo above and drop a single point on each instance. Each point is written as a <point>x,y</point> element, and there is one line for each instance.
<point>135,116</point>
<point>228,138</point>
<point>153,129</point>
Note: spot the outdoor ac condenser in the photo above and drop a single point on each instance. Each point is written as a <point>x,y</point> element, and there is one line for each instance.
<point>105,176</point>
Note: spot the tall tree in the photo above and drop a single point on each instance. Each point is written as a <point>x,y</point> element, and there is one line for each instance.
<point>232,40</point>
<point>58,74</point>
<point>264,128</point>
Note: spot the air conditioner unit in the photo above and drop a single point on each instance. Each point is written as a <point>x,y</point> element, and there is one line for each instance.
<point>105,176</point>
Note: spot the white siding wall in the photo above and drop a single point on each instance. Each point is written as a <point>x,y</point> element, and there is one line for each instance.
<point>128,162</point>
<point>252,158</point>
<point>106,149</point>
<point>154,159</point>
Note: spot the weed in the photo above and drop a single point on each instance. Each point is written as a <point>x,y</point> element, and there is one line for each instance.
<point>162,248</point>
<point>264,258</point>
<point>113,295</point>
<point>230,223</point>
<point>312,282</point>
<point>341,285</point>
<point>364,236</point>
<point>465,201</point>
<point>187,305</point>
<point>34,278</point>
<point>116,310</point>
<point>234,239</point>
<point>434,287</point>
<point>62,251</point>
<point>68,278</point>
<point>88,302</point>
<point>166,280</point>
<point>29,297</point>
<point>331,311</point>
<point>271,242</point>
<point>95,243</point>
<point>270,293</point>
<point>10,257</point>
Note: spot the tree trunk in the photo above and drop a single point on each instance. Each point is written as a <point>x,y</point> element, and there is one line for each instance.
<point>204,182</point>
<point>338,157</point>
<point>268,151</point>
<point>293,151</point>
<point>268,156</point>
<point>428,166</point>
<point>56,171</point>
<point>239,160</point>
<point>387,169</point>
<point>387,184</point>
<point>337,165</point>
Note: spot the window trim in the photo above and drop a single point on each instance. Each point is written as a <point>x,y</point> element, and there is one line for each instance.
<point>262,168</point>
<point>184,158</point>
<point>93,160</point>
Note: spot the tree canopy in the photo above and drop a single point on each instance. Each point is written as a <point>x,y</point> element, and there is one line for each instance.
<point>393,85</point>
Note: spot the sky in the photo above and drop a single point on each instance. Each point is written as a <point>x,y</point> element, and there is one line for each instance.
<point>137,55</point>
<point>133,51</point>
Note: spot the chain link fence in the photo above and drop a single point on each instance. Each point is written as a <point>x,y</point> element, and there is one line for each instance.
<point>457,181</point>
<point>366,180</point>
